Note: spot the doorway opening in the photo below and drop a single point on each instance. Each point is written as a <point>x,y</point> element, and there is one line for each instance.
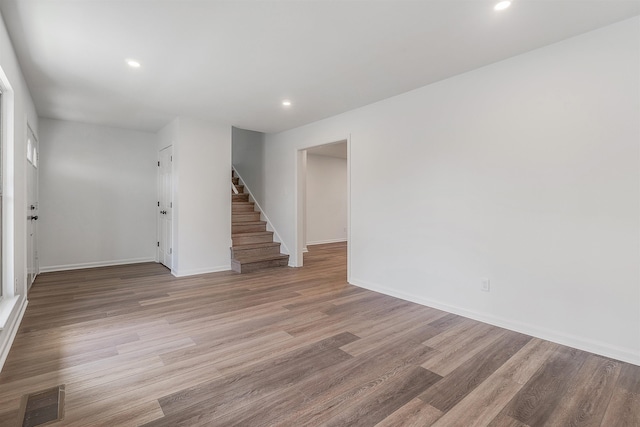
<point>323,197</point>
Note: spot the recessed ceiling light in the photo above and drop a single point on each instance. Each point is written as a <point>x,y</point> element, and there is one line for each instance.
<point>286,103</point>
<point>502,5</point>
<point>133,63</point>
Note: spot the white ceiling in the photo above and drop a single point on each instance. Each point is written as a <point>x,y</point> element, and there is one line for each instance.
<point>235,61</point>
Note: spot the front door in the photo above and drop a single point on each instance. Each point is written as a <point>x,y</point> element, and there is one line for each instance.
<point>165,207</point>
<point>32,207</point>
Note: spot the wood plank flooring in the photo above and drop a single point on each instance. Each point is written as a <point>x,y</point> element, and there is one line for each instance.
<point>291,347</point>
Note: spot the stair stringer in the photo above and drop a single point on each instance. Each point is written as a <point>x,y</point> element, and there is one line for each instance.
<point>276,237</point>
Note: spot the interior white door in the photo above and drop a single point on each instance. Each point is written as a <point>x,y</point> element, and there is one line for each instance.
<point>165,206</point>
<point>32,207</point>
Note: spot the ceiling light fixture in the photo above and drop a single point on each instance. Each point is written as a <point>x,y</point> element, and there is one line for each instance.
<point>133,63</point>
<point>286,103</point>
<point>502,5</point>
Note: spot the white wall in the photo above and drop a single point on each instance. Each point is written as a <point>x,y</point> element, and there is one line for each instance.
<point>19,111</point>
<point>97,195</point>
<point>202,195</point>
<point>326,199</point>
<point>525,171</point>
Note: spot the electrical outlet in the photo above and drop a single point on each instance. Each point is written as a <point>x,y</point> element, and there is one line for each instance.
<point>484,285</point>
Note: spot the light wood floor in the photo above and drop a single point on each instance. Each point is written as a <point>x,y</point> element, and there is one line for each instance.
<point>291,347</point>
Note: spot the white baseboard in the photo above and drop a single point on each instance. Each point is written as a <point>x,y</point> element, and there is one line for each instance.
<point>197,271</point>
<point>603,349</point>
<point>8,334</point>
<point>324,242</point>
<point>50,268</point>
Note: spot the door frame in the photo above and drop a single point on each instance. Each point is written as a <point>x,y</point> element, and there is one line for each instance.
<point>159,219</point>
<point>300,195</point>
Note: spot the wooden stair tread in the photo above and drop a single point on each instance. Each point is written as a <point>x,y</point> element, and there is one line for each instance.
<point>245,218</point>
<point>256,245</point>
<point>249,223</point>
<point>259,258</point>
<point>254,248</point>
<point>252,233</point>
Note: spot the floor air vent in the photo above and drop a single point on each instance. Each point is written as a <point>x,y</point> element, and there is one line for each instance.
<point>42,407</point>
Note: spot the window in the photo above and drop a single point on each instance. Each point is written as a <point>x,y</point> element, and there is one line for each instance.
<point>30,150</point>
<point>11,293</point>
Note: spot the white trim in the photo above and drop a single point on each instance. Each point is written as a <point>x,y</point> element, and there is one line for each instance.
<point>9,282</point>
<point>349,256</point>
<point>158,196</point>
<point>7,339</point>
<point>300,204</point>
<point>95,264</point>
<point>270,226</point>
<point>300,207</point>
<point>597,347</point>
<point>158,190</point>
<point>6,309</point>
<point>324,242</point>
<point>198,271</point>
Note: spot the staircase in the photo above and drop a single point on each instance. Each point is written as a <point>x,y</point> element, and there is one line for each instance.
<point>253,246</point>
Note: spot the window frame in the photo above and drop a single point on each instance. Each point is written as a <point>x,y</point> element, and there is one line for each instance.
<point>10,289</point>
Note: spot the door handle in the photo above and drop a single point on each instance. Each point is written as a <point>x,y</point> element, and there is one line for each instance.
<point>33,218</point>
